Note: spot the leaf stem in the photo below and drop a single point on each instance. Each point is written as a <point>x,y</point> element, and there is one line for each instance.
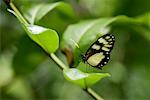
<point>93,94</point>
<point>52,55</point>
<point>22,19</point>
<point>58,61</point>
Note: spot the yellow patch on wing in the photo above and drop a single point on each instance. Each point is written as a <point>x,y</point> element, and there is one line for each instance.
<point>107,37</point>
<point>110,40</point>
<point>101,40</point>
<point>107,45</point>
<point>105,49</point>
<point>96,47</point>
<point>95,59</point>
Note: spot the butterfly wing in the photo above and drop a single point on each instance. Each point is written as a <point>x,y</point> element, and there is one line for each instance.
<point>98,54</point>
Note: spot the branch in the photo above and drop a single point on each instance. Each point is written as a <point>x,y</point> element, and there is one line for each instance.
<point>93,94</point>
<point>58,61</point>
<point>61,65</point>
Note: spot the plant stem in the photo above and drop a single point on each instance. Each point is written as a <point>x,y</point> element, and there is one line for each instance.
<point>22,19</point>
<point>93,94</point>
<point>52,55</point>
<point>58,61</point>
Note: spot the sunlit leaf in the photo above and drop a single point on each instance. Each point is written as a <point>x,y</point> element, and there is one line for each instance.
<point>46,38</point>
<point>83,79</point>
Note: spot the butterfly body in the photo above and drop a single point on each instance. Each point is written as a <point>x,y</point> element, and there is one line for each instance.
<point>98,54</point>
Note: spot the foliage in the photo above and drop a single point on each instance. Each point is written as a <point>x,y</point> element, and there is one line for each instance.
<point>27,73</point>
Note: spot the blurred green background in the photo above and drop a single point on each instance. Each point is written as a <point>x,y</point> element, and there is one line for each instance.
<point>26,73</point>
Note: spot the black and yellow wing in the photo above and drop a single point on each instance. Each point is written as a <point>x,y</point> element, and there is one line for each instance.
<point>98,54</point>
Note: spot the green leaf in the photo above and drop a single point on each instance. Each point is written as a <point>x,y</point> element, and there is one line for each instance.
<point>145,19</point>
<point>82,79</point>
<point>85,67</point>
<point>139,24</point>
<point>84,34</point>
<point>46,38</point>
<point>83,29</point>
<point>39,11</point>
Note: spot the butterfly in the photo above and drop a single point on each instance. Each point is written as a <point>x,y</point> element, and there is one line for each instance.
<point>98,53</point>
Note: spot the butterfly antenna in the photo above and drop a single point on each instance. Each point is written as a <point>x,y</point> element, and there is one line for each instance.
<point>75,43</point>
